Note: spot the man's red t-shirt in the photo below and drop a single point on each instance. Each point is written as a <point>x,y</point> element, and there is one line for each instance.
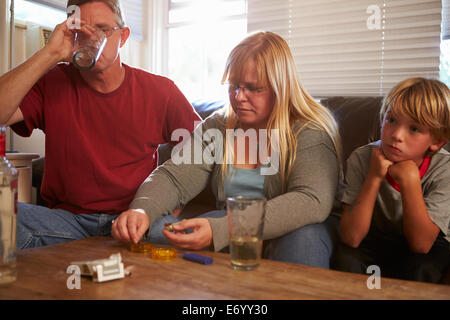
<point>99,148</point>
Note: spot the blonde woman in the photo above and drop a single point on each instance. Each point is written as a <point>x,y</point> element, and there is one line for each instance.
<point>299,180</point>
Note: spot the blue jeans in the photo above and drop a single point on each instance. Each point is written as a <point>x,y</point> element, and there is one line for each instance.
<point>311,245</point>
<point>40,226</point>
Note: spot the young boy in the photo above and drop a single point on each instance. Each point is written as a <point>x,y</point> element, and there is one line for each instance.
<point>397,190</point>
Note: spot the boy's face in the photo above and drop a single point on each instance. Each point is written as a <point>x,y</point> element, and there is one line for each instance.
<point>404,139</point>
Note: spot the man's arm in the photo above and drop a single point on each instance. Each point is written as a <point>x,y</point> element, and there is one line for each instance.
<point>15,84</point>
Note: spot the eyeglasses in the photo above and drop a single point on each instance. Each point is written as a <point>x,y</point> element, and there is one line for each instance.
<point>248,90</point>
<point>108,31</point>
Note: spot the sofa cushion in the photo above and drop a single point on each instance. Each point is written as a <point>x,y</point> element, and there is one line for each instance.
<point>205,108</point>
<point>357,118</point>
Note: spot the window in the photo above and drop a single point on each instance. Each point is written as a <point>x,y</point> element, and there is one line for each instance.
<point>445,62</point>
<point>445,43</point>
<point>37,13</point>
<point>200,35</point>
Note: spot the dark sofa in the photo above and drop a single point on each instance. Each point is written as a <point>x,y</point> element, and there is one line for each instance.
<point>358,122</point>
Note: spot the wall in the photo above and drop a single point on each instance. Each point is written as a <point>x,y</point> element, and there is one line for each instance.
<point>4,47</point>
<point>134,53</point>
<point>4,36</point>
<point>36,142</point>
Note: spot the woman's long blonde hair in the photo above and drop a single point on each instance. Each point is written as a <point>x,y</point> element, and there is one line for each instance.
<point>276,70</point>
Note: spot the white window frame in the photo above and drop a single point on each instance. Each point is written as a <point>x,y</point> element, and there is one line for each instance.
<point>160,33</point>
<point>159,36</point>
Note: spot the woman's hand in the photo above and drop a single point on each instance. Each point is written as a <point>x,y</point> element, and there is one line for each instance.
<point>197,240</point>
<point>130,226</point>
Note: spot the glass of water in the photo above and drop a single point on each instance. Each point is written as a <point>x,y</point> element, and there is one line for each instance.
<point>88,48</point>
<point>245,226</point>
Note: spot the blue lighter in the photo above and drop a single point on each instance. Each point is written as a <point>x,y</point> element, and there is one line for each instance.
<point>197,258</point>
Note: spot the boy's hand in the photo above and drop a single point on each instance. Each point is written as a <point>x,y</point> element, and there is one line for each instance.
<point>379,165</point>
<point>404,171</point>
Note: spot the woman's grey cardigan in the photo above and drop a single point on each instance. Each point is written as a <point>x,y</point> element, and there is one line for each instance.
<point>311,186</point>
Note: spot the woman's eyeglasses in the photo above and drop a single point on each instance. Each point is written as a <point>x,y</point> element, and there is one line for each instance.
<point>248,90</point>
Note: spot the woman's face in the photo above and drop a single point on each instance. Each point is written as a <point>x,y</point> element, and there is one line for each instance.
<point>252,103</point>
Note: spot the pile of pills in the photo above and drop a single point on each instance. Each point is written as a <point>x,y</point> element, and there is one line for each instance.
<point>141,247</point>
<point>162,254</point>
<point>165,254</point>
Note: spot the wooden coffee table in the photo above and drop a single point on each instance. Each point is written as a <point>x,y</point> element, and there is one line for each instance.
<point>42,275</point>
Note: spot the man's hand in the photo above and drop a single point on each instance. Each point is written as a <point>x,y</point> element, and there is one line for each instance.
<point>61,41</point>
<point>379,165</point>
<point>130,226</point>
<point>197,240</point>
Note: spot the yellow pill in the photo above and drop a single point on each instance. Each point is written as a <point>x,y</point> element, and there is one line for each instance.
<point>169,227</point>
<point>165,254</point>
<point>141,247</point>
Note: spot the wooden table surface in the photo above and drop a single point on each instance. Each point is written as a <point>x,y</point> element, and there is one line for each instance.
<point>42,275</point>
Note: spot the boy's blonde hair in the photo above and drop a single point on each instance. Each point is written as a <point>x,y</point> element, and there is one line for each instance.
<point>114,5</point>
<point>276,70</point>
<point>426,101</point>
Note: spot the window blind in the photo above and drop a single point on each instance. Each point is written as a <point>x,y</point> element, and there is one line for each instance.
<point>58,4</point>
<point>132,10</point>
<point>354,47</point>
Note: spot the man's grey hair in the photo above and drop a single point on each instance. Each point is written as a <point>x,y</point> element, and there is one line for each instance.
<point>114,5</point>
